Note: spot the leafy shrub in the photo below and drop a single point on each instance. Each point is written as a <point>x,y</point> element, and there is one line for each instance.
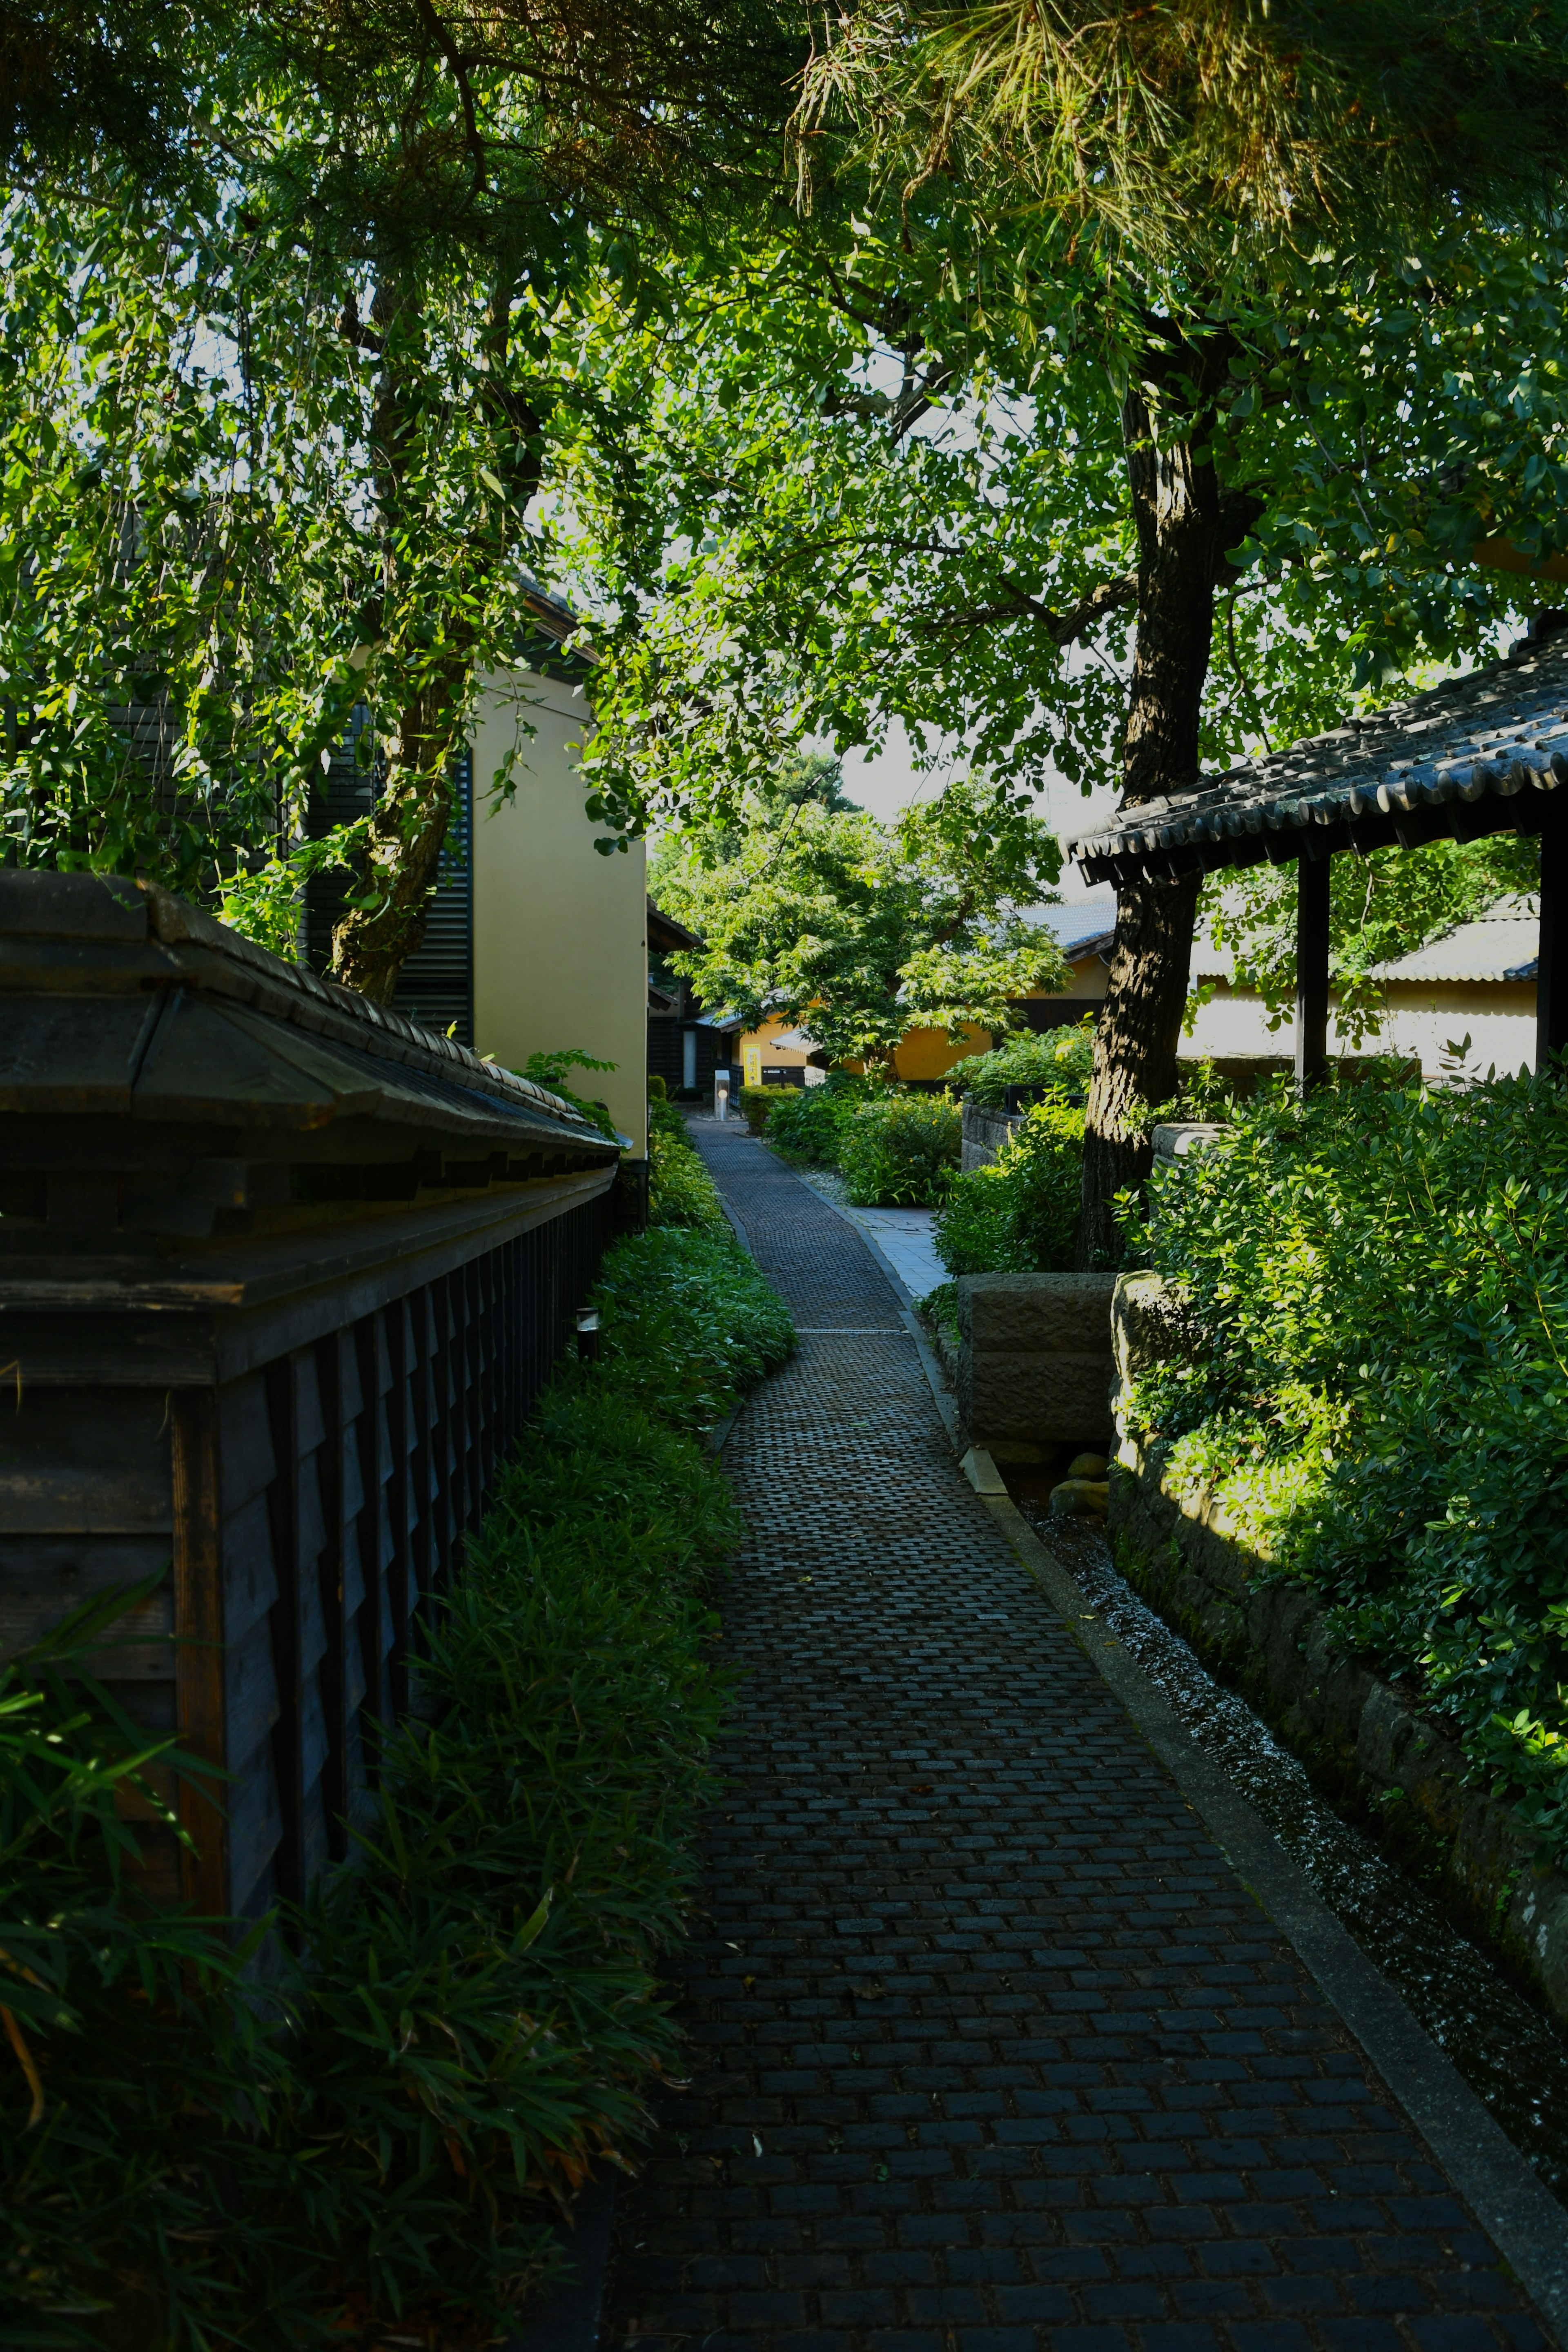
<point>1061,1059</point>
<point>1020,1214</point>
<point>1380,1391</point>
<point>902,1149</point>
<point>548,1070</point>
<point>807,1124</point>
<point>758,1103</point>
<point>680,1191</point>
<point>467,2020</point>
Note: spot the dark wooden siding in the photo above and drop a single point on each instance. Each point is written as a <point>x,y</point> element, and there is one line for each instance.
<point>329,1493</point>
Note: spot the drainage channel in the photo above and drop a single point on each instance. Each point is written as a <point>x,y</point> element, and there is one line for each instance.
<point>1513,2058</point>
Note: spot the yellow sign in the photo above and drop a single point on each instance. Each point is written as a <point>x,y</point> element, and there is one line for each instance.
<point>752,1058</point>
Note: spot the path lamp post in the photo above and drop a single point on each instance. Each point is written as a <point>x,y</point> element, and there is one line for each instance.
<point>722,1096</point>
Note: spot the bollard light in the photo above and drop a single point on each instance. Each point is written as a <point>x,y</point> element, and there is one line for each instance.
<point>588,1335</point>
<point>721,1098</point>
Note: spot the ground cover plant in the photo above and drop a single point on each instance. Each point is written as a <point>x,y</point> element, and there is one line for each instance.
<point>1378,1386</point>
<point>680,1191</point>
<point>379,2143</point>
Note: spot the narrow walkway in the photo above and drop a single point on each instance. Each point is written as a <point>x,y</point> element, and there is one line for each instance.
<point>991,2051</point>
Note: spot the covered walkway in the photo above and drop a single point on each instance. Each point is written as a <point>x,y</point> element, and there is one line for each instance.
<point>991,2049</point>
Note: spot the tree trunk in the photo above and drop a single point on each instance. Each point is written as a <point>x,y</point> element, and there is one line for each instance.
<point>401,856</point>
<point>408,825</point>
<point>1185,524</point>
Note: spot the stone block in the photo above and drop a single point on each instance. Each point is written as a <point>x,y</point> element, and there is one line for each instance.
<point>1035,1357</point>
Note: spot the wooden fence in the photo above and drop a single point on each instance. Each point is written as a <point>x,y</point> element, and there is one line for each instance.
<point>280,1277</point>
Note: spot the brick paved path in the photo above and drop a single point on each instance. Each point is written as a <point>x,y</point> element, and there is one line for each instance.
<point>990,2050</point>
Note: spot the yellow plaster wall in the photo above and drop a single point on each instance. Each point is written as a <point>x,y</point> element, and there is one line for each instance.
<point>774,1057</point>
<point>930,1053</point>
<point>559,933</point>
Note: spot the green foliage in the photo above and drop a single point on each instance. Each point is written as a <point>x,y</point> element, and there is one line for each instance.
<point>468,2018</point>
<point>1059,1059</point>
<point>680,1190</point>
<point>856,931</point>
<point>1019,1215</point>
<point>1380,1389</point>
<point>549,1071</point>
<point>902,1149</point>
<point>807,1123</point>
<point>689,1325</point>
<point>758,1104</point>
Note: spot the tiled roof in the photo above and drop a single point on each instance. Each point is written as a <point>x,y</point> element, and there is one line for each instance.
<point>1085,926</point>
<point>1500,944</point>
<point>1474,756</point>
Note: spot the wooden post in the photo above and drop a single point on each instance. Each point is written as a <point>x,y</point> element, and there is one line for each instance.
<point>288,1624</point>
<point>199,1703</point>
<point>1311,972</point>
<point>1551,966</point>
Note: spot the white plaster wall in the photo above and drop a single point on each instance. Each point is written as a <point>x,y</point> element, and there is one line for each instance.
<point>1418,1020</point>
<point>559,933</point>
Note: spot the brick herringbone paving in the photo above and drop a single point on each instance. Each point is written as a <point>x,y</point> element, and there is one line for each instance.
<point>990,2050</point>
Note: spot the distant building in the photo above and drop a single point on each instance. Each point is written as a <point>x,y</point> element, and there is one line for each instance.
<point>534,943</point>
<point>686,1042</point>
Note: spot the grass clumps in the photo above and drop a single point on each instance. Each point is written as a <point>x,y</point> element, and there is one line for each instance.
<point>468,2021</point>
<point>681,1192</point>
<point>1379,1391</point>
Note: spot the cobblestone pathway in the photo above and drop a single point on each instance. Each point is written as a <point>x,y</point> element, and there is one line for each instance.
<point>990,2050</point>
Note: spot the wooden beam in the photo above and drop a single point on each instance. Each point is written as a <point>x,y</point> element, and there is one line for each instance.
<point>199,1700</point>
<point>1552,968</point>
<point>1311,971</point>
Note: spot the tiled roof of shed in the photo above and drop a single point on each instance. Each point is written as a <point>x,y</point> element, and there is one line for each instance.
<point>1413,770</point>
<point>1500,944</point>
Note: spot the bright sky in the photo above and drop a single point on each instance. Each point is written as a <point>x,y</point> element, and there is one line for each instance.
<point>886,782</point>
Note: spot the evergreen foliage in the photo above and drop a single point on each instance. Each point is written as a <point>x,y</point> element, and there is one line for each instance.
<point>1060,1060</point>
<point>1019,1215</point>
<point>901,1151</point>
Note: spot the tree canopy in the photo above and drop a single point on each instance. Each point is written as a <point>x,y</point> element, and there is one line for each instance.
<point>857,931</point>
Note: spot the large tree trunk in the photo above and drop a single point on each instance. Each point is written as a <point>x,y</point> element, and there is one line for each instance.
<point>1184,527</point>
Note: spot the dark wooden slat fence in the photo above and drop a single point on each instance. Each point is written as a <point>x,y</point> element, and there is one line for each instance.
<point>281,1276</point>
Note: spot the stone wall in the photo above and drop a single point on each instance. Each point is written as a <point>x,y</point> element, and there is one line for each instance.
<point>1268,1635</point>
<point>1035,1363</point>
<point>984,1133</point>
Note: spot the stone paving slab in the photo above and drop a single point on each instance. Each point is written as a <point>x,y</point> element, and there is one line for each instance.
<point>991,2050</point>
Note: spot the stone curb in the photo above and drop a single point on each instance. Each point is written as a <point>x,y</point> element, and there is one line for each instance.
<point>1517,2212</point>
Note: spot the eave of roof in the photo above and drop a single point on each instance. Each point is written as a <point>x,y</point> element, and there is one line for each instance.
<point>667,937</point>
<point>1480,754</point>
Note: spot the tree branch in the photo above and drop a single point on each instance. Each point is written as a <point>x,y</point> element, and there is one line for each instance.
<point>1065,628</point>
